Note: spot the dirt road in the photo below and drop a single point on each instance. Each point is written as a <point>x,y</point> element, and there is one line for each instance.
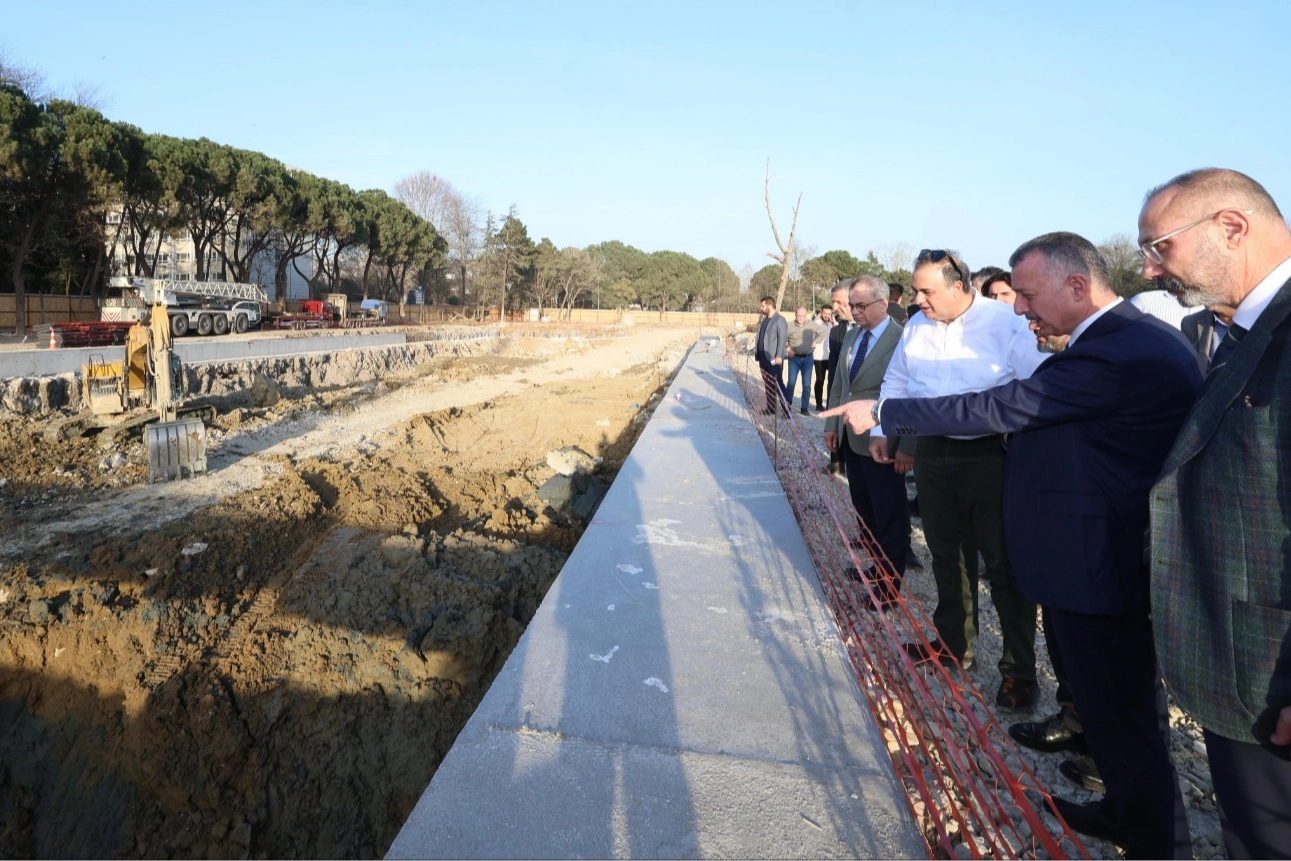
<point>271,660</point>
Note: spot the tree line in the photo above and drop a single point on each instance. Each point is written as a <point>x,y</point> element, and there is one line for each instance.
<point>74,184</point>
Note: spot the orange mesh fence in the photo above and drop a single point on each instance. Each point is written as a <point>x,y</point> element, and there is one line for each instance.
<point>971,792</point>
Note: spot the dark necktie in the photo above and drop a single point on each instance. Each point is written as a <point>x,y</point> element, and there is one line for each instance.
<point>1227,346</point>
<point>859,359</point>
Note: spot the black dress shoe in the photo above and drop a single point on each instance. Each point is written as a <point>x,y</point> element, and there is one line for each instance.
<point>1083,772</point>
<point>1089,819</point>
<point>912,561</point>
<point>1049,735</point>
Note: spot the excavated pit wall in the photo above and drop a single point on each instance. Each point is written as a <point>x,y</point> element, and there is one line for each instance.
<point>40,395</point>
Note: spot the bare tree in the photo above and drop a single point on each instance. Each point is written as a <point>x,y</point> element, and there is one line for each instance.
<point>785,257</point>
<point>29,81</point>
<point>455,216</point>
<point>895,255</point>
<point>801,254</point>
<point>427,195</point>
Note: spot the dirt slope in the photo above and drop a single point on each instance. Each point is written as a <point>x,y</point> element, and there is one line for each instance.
<point>272,659</point>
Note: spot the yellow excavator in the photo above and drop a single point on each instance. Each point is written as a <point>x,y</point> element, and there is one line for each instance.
<point>142,390</point>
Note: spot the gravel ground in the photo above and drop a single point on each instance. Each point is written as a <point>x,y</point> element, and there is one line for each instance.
<point>1187,747</point>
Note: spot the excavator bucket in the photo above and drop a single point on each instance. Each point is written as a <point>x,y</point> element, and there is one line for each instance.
<point>175,449</point>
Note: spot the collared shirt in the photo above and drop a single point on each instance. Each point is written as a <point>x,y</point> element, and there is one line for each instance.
<point>800,337</point>
<point>820,347</point>
<point>1162,305</point>
<point>1259,298</point>
<point>1217,334</point>
<point>1089,321</point>
<point>875,334</point>
<point>986,346</point>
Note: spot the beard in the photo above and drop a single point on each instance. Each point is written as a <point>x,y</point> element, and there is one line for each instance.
<point>1052,343</point>
<point>1189,295</point>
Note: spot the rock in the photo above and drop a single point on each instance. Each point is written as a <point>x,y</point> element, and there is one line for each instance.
<point>571,459</point>
<point>264,392</point>
<point>557,491</point>
<point>586,503</point>
<point>195,548</point>
<point>38,611</point>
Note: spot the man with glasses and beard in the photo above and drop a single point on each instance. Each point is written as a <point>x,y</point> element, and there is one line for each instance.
<point>1221,513</point>
<point>964,342</point>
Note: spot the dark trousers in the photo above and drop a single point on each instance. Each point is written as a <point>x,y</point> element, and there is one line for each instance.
<point>822,393</point>
<point>961,500</point>
<point>1253,787</point>
<point>774,383</point>
<point>799,365</point>
<point>1111,662</point>
<point>1063,695</point>
<point>878,495</point>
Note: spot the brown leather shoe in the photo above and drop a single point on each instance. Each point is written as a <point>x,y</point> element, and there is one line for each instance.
<point>1015,693</point>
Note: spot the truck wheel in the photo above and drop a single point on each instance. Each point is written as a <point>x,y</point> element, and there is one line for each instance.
<point>240,324</point>
<point>221,324</point>
<point>179,325</point>
<point>204,324</point>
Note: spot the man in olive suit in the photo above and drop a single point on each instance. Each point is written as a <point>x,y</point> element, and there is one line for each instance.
<point>877,490</point>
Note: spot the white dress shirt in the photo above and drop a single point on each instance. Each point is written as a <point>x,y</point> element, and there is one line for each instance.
<point>1162,305</point>
<point>820,349</point>
<point>1259,298</point>
<point>1089,321</point>
<point>986,346</point>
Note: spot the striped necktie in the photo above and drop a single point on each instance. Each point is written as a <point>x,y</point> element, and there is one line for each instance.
<point>1227,346</point>
<point>859,358</point>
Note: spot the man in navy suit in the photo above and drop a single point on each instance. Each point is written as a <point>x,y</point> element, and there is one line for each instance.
<point>1091,430</point>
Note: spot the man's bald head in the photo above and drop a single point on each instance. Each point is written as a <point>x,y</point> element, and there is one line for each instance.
<point>1210,188</point>
<point>1209,236</point>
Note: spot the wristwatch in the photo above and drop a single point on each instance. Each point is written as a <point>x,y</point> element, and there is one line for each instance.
<point>874,413</point>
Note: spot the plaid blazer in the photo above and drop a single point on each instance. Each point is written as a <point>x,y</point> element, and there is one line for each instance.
<point>1221,540</point>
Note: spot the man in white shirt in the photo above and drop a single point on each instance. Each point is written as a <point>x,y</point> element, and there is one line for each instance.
<point>823,324</point>
<point>963,342</point>
<point>1162,305</point>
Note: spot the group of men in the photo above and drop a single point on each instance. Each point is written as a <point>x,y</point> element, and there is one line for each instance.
<point>1132,483</point>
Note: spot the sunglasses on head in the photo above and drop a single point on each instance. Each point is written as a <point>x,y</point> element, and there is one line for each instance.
<point>937,255</point>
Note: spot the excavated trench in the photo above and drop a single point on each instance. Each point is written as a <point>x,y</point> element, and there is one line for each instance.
<point>278,671</point>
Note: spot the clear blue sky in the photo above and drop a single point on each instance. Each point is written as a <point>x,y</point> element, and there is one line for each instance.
<point>964,125</point>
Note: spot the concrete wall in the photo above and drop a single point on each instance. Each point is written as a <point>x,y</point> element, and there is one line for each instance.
<point>682,691</point>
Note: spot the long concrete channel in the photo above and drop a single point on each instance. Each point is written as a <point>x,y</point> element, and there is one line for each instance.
<point>682,691</point>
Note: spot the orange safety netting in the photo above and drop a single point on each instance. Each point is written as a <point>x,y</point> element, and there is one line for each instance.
<point>972,793</point>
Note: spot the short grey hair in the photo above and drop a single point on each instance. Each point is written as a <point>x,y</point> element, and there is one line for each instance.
<point>1067,254</point>
<point>876,287</point>
<point>843,284</point>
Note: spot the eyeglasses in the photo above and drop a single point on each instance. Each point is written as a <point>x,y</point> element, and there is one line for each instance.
<point>864,305</point>
<point>929,255</point>
<point>1150,250</point>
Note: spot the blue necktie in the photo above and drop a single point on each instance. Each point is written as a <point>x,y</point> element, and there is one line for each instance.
<point>859,358</point>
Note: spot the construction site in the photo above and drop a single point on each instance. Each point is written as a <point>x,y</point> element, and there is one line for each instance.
<point>269,648</point>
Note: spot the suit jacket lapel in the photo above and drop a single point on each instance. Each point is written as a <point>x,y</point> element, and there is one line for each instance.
<point>1224,385</point>
<point>881,348</point>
